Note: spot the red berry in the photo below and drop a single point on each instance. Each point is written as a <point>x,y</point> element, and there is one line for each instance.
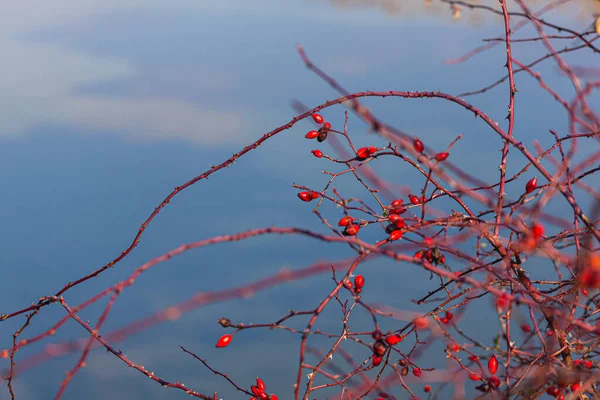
<point>584,292</point>
<point>473,358</point>
<point>305,196</point>
<point>274,397</point>
<point>428,242</point>
<point>445,320</point>
<point>317,153</point>
<point>393,340</point>
<point>395,211</point>
<point>449,315</point>
<point>260,384</point>
<point>421,323</point>
<point>439,157</point>
<point>318,118</point>
<point>352,230</point>
<point>345,221</point>
<point>493,365</point>
<point>537,230</point>
<point>396,235</point>
<point>224,340</point>
<point>418,145</point>
<point>474,377</point>
<point>312,135</point>
<point>397,220</point>
<point>587,364</point>
<point>362,153</point>
<point>371,150</point>
<point>525,328</point>
<point>396,203</point>
<point>427,388</point>
<point>327,125</point>
<point>454,347</point>
<point>418,255</point>
<point>494,381</point>
<point>575,387</point>
<point>413,199</point>
<point>377,360</point>
<point>417,372</point>
<point>376,334</point>
<point>314,195</point>
<point>531,185</point>
<point>359,281</point>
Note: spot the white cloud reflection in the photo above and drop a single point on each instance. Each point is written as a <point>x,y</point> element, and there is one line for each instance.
<point>39,80</point>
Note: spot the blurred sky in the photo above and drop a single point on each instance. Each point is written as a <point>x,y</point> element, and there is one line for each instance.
<point>108,105</point>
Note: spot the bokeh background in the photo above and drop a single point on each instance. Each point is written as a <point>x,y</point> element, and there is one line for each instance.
<point>107,105</point>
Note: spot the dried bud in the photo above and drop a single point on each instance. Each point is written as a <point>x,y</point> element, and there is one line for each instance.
<point>225,322</point>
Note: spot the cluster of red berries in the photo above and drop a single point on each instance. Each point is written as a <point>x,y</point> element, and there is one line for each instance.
<point>350,228</point>
<point>447,318</point>
<point>397,225</point>
<point>321,134</point>
<point>258,391</point>
<point>433,255</point>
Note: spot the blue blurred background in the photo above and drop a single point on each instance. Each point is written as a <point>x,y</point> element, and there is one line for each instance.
<point>108,105</point>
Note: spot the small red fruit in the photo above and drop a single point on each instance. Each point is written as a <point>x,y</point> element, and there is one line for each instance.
<point>449,315</point>
<point>417,372</point>
<point>494,381</point>
<point>224,340</point>
<point>454,347</point>
<point>317,153</point>
<point>327,125</point>
<point>413,199</point>
<point>352,230</point>
<point>587,364</point>
<point>260,384</point>
<point>396,211</point>
<point>439,157</point>
<point>575,386</point>
<point>418,145</point>
<point>362,153</point>
<point>371,150</point>
<point>427,388</point>
<point>305,196</point>
<point>537,230</point>
<point>345,221</point>
<point>314,195</point>
<point>445,321</point>
<point>584,292</point>
<point>428,242</point>
<point>418,255</point>
<point>396,235</point>
<point>474,377</point>
<point>396,203</point>
<point>376,360</point>
<point>317,118</point>
<point>531,185</point>
<point>525,328</point>
<point>493,365</point>
<point>274,397</point>
<point>473,358</point>
<point>312,135</point>
<point>393,340</point>
<point>421,323</point>
<point>359,282</point>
